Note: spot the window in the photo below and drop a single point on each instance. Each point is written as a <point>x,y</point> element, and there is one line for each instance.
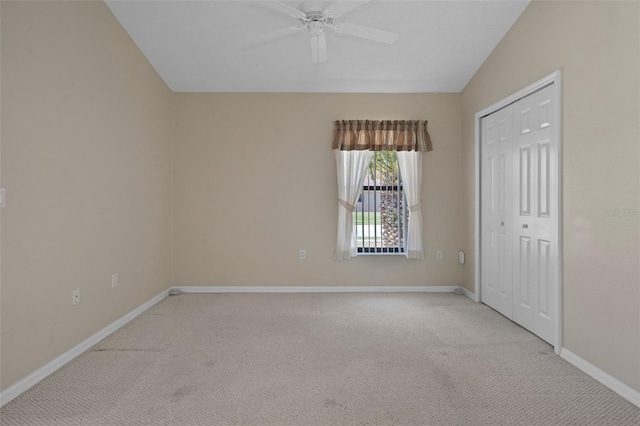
<point>396,148</point>
<point>381,216</point>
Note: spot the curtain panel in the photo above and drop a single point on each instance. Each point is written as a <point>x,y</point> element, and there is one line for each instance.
<point>352,168</point>
<point>385,135</point>
<point>410,165</point>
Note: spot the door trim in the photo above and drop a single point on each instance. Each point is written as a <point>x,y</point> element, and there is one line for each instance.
<point>555,80</point>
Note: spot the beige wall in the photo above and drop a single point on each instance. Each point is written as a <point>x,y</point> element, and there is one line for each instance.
<point>597,46</point>
<point>255,181</point>
<point>86,146</point>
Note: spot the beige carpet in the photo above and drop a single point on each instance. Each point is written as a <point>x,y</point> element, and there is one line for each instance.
<point>320,359</point>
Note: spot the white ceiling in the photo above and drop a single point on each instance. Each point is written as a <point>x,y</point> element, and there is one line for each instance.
<point>196,45</point>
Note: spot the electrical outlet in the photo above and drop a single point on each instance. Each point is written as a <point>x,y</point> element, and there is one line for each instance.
<point>76,296</point>
<point>302,254</point>
<point>114,280</point>
<point>438,255</point>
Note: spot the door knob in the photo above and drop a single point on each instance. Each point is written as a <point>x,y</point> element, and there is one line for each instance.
<point>525,226</point>
<point>501,223</point>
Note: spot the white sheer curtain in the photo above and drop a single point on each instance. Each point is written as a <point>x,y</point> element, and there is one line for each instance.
<point>352,168</point>
<point>410,165</point>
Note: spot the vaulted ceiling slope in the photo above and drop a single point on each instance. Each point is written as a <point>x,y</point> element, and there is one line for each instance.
<point>197,46</point>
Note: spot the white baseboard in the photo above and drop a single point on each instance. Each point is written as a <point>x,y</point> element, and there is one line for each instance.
<point>24,384</point>
<point>334,289</point>
<point>469,294</point>
<point>625,391</point>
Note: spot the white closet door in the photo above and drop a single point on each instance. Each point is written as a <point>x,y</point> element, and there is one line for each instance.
<point>519,183</point>
<point>497,205</point>
<point>535,250</point>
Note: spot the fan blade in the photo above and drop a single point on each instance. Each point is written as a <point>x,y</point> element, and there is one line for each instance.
<point>318,48</point>
<point>342,7</point>
<point>366,32</point>
<point>286,9</point>
<point>272,36</point>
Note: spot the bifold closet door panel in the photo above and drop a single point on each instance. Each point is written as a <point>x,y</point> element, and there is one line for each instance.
<point>535,251</point>
<point>496,211</point>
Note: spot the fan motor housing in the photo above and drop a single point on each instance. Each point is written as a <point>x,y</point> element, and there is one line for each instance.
<point>312,7</point>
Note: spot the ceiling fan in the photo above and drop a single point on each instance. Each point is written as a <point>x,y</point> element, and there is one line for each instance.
<point>316,17</point>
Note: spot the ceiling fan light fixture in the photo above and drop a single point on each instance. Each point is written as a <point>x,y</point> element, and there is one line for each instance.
<point>316,27</point>
<point>314,17</point>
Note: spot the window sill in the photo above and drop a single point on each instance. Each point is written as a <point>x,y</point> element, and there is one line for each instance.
<point>382,254</point>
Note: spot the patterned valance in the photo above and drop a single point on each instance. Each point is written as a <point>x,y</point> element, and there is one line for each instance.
<point>385,135</point>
